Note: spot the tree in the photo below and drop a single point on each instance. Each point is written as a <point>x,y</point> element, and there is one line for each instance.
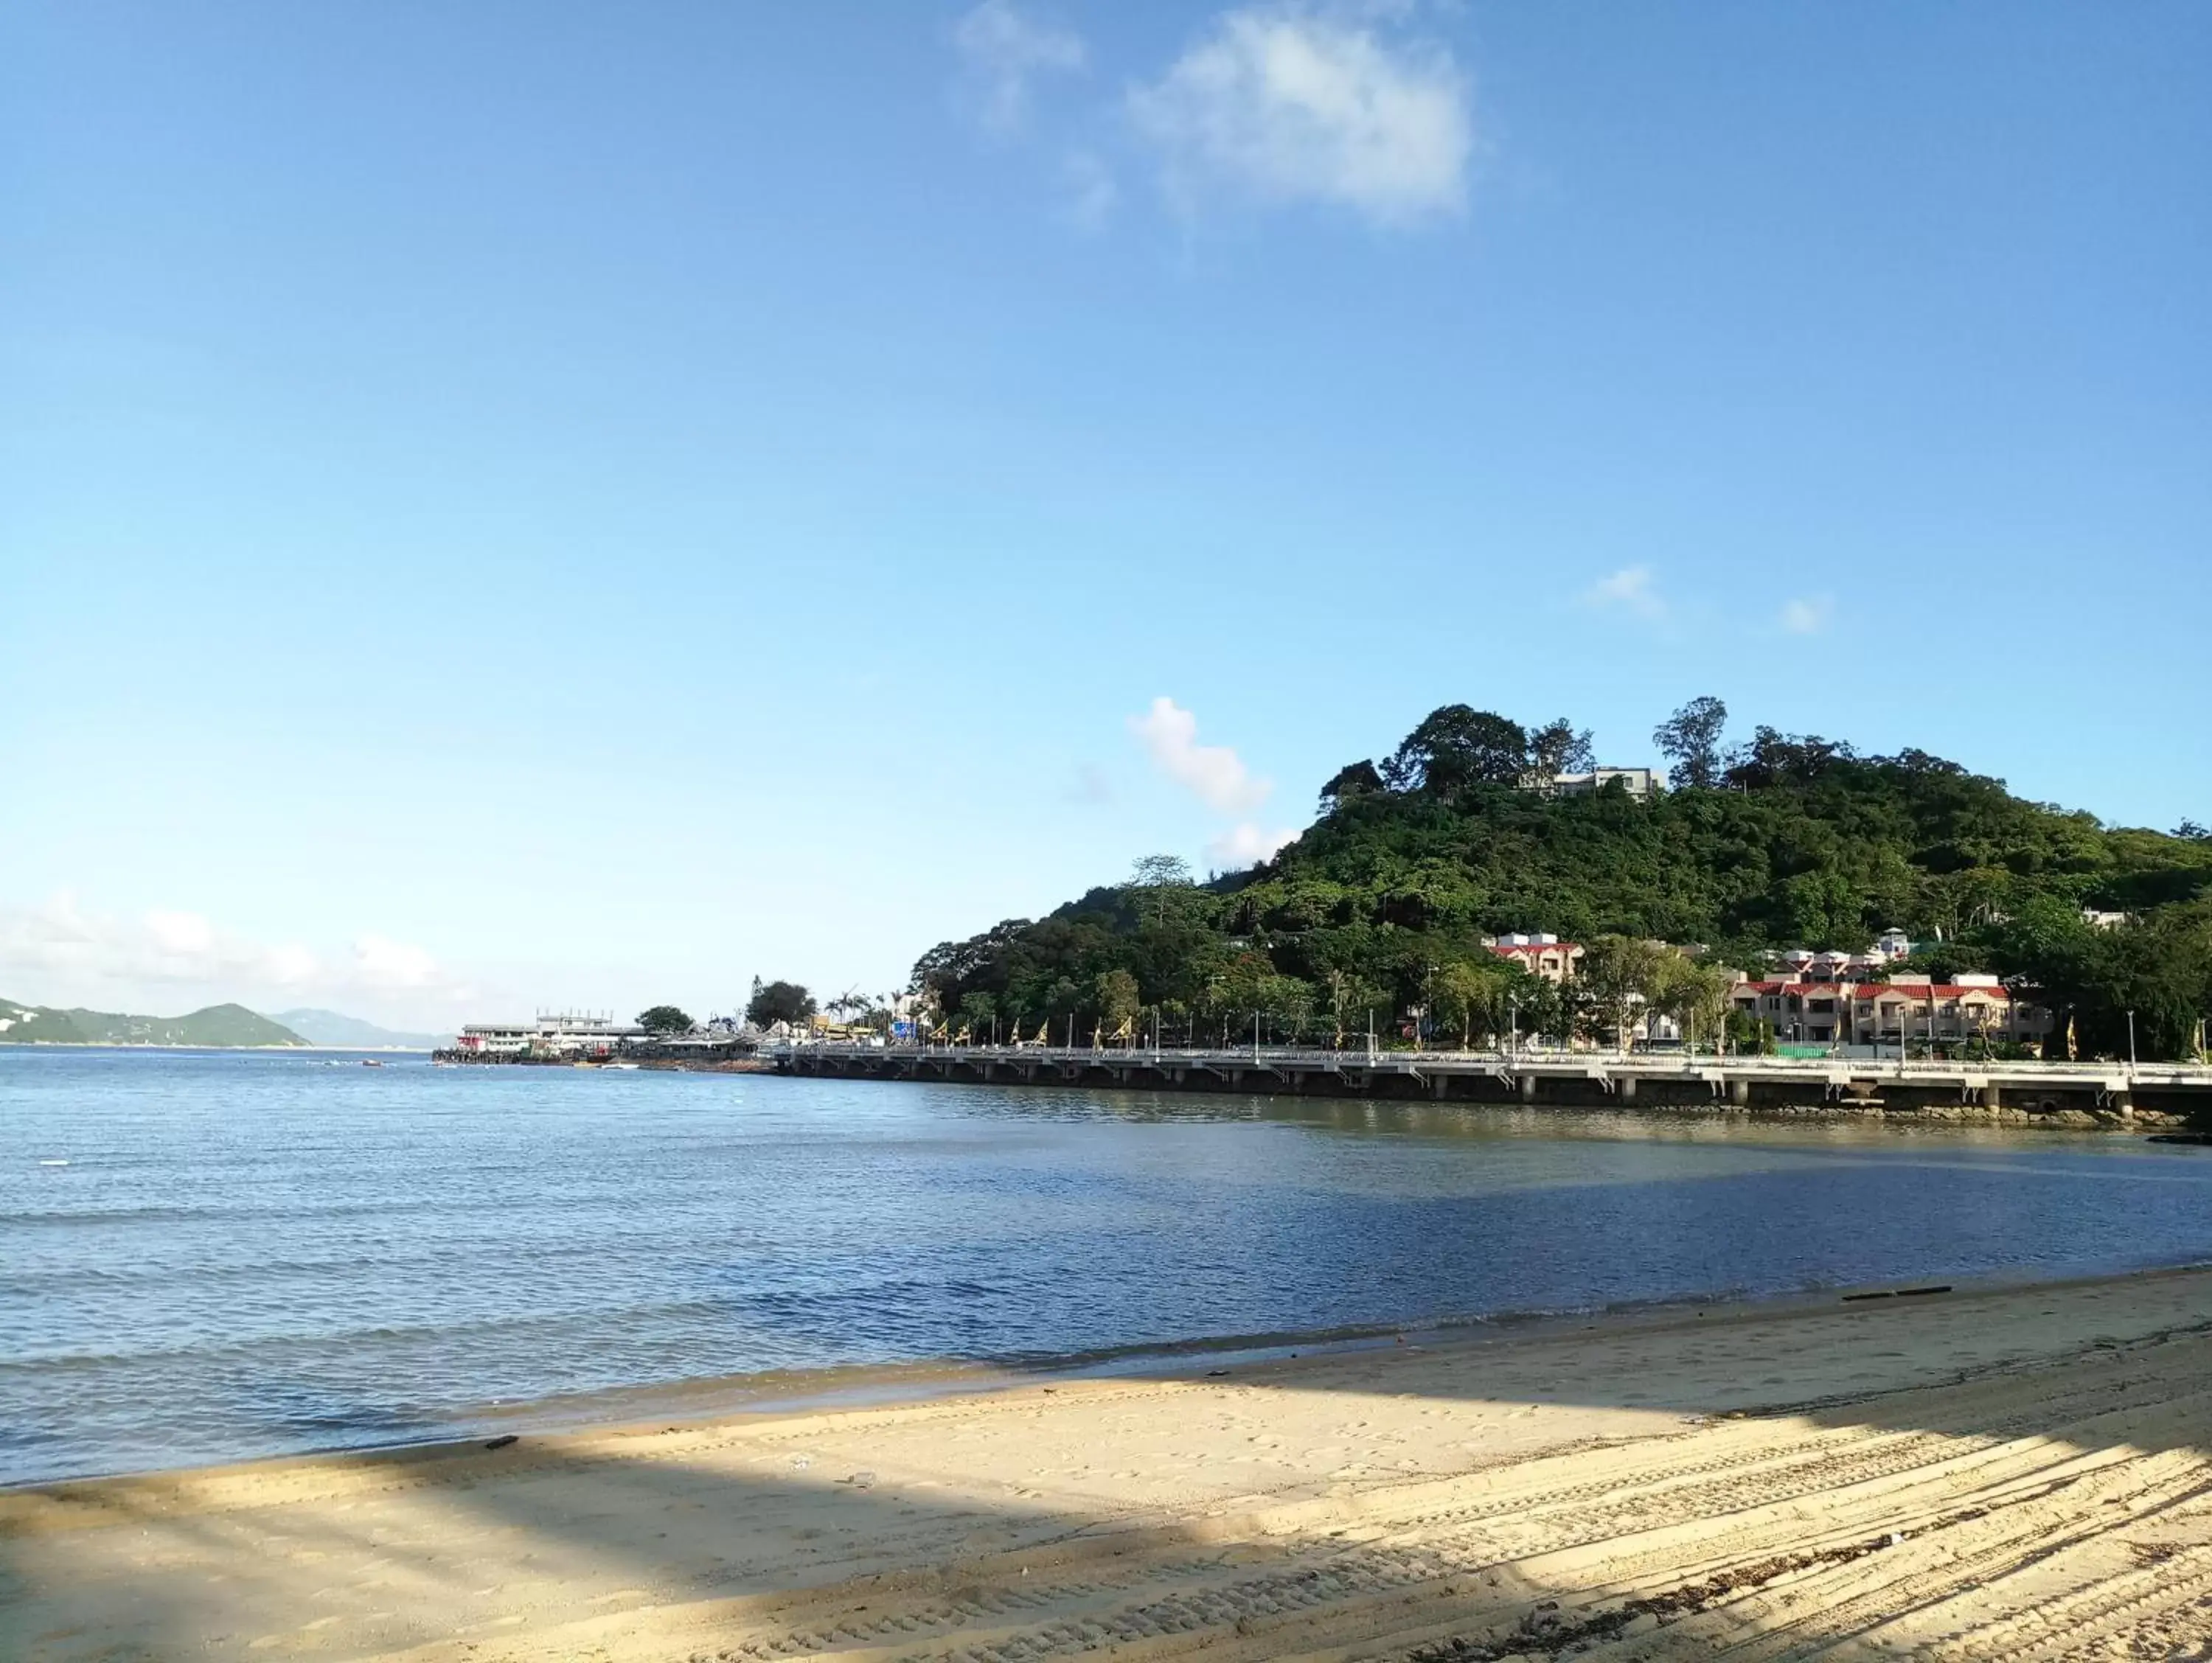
<point>1358,779</point>
<point>2190,831</point>
<point>1118,1000</point>
<point>1774,758</point>
<point>1541,1009</point>
<point>2159,969</point>
<point>1475,992</point>
<point>1556,748</point>
<point>1154,871</point>
<point>1619,973</point>
<point>1823,908</point>
<point>779,1001</point>
<point>1456,747</point>
<point>1350,999</point>
<point>1697,997</point>
<point>1156,878</point>
<point>977,1012</point>
<point>664,1019</point>
<point>1749,1035</point>
<point>1691,738</point>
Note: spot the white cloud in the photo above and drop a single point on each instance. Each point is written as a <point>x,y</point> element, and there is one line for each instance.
<point>1091,192</point>
<point>1632,588</point>
<point>1289,102</point>
<point>1215,774</point>
<point>1246,845</point>
<point>378,961</point>
<point>184,935</point>
<point>1808,615</point>
<point>58,953</point>
<point>1004,49</point>
<point>290,965</point>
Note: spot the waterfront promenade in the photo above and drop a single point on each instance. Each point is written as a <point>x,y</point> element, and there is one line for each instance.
<point>2117,1092</point>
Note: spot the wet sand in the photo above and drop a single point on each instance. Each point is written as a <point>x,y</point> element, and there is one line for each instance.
<point>2020,1472</point>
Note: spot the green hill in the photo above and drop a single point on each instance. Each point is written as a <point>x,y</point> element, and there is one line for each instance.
<point>216,1025</point>
<point>1781,841</point>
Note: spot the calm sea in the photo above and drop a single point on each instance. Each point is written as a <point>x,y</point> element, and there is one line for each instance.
<point>206,1256</point>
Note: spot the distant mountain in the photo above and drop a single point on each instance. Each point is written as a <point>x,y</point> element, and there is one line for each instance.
<point>333,1029</point>
<point>217,1025</point>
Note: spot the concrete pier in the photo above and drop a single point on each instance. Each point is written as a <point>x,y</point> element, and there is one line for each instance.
<point>2081,1093</point>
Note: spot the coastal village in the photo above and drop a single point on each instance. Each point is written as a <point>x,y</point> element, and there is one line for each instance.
<point>1823,1003</point>
<point>1357,937</point>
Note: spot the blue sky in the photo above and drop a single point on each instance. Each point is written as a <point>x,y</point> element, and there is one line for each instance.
<point>525,504</point>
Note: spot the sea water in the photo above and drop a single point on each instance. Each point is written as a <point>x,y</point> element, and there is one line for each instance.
<point>207,1256</point>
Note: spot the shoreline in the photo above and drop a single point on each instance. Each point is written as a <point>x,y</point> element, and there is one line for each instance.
<point>773,1392</point>
<point>1969,1465</point>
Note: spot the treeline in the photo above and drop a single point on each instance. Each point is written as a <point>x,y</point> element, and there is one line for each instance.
<point>1779,841</point>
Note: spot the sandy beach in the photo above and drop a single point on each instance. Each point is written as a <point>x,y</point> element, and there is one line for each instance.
<point>2022,1472</point>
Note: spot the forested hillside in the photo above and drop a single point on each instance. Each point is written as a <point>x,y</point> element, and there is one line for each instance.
<point>1779,841</point>
<point>216,1025</point>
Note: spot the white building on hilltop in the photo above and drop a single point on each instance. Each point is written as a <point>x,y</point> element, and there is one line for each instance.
<point>1641,784</point>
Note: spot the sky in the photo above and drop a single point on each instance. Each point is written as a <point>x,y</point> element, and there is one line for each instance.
<point>527,505</point>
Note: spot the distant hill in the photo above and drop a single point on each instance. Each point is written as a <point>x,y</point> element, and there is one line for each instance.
<point>217,1025</point>
<point>334,1028</point>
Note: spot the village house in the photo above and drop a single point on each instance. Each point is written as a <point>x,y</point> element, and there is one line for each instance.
<point>1544,956</point>
<point>1802,964</point>
<point>1967,1007</point>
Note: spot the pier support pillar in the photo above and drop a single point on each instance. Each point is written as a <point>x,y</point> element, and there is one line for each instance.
<point>1528,1087</point>
<point>1740,1092</point>
<point>1439,1083</point>
<point>1992,1097</point>
<point>1624,1087</point>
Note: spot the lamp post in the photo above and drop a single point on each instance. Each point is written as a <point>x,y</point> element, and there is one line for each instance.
<point>2132,1041</point>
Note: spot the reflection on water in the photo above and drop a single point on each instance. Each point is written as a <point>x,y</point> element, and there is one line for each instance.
<point>248,1253</point>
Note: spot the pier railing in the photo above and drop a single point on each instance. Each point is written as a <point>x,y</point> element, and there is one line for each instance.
<point>1602,1066</point>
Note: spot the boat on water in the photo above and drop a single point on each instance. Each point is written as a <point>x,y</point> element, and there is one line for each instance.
<point>630,1068</point>
<point>371,1062</point>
